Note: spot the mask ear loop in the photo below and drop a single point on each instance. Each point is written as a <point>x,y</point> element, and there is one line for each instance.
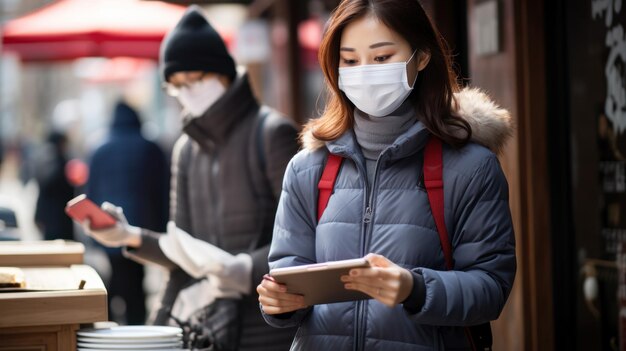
<point>410,58</point>
<point>417,72</point>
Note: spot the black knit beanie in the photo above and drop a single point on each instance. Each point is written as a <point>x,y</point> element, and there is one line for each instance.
<point>193,45</point>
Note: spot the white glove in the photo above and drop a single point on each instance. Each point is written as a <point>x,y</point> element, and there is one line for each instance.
<point>199,258</point>
<point>121,234</point>
<point>237,274</point>
<point>200,294</point>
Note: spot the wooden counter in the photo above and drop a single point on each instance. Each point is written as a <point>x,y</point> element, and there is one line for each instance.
<point>41,253</point>
<point>48,320</point>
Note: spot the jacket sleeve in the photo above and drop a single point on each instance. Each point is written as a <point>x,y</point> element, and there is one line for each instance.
<point>280,145</point>
<point>149,249</point>
<point>293,242</point>
<point>484,255</point>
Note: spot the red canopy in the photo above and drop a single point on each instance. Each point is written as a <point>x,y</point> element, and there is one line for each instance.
<point>69,29</point>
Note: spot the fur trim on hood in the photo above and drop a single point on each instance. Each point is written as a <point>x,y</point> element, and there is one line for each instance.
<point>491,125</point>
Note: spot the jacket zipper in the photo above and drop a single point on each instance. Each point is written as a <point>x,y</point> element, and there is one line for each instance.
<point>368,215</point>
<point>215,199</point>
<point>359,341</point>
<point>358,309</point>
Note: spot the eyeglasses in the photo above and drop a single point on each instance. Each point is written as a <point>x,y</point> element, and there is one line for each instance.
<point>190,78</point>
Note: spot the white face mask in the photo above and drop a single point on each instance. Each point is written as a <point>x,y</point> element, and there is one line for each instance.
<point>377,89</point>
<point>199,96</point>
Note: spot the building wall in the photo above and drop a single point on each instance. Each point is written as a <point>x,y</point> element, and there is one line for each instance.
<point>514,77</point>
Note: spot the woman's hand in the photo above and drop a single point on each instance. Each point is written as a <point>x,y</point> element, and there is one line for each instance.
<point>275,299</point>
<point>384,280</point>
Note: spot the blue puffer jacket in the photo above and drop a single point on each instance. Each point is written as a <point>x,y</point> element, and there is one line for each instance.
<point>403,230</point>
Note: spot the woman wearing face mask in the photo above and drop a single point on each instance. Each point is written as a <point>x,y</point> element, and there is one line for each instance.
<point>227,171</point>
<point>391,91</point>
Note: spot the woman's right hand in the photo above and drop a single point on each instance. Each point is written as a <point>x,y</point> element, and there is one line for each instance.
<point>275,299</point>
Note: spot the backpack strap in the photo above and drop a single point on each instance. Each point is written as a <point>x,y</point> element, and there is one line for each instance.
<point>478,336</point>
<point>260,140</point>
<point>257,155</point>
<point>433,180</point>
<point>327,182</point>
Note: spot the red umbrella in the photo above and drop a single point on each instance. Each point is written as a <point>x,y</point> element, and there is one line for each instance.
<point>70,29</point>
<point>117,69</point>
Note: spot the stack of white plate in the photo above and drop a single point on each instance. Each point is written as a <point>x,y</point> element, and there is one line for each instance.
<point>130,337</point>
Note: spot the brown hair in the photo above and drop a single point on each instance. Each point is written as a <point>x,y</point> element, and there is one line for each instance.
<point>433,94</point>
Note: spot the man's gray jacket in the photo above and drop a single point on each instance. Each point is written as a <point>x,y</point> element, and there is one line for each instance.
<point>227,171</point>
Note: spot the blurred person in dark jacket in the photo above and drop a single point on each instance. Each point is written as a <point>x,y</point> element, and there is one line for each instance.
<point>227,171</point>
<point>130,171</point>
<point>54,188</point>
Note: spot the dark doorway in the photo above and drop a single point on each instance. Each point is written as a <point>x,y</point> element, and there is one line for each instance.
<point>587,125</point>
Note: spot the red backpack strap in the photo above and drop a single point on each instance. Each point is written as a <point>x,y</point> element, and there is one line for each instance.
<point>327,183</point>
<point>433,180</point>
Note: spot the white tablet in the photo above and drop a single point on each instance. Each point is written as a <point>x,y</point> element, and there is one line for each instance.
<point>321,283</point>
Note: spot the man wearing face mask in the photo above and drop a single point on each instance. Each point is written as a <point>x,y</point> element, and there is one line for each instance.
<point>227,171</point>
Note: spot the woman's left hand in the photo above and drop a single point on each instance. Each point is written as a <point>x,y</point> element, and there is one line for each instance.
<point>384,280</point>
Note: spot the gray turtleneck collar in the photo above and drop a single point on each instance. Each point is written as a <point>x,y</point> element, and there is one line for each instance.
<point>374,134</point>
